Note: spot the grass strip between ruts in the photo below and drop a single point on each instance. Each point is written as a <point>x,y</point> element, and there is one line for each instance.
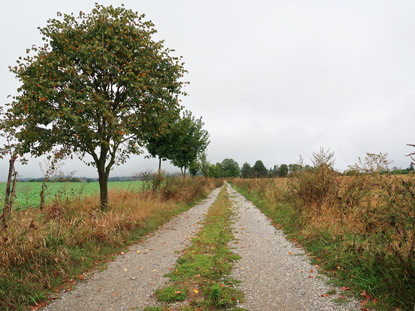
<point>200,279</point>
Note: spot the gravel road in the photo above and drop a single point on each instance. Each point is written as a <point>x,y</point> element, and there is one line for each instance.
<point>275,274</point>
<point>130,281</point>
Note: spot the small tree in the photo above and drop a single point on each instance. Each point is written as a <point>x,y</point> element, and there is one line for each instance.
<point>246,170</point>
<point>294,168</point>
<point>215,170</point>
<point>98,85</point>
<point>51,166</point>
<point>188,141</point>
<point>194,168</point>
<point>11,149</point>
<point>282,170</point>
<point>161,143</point>
<point>204,164</point>
<point>230,168</point>
<point>259,169</point>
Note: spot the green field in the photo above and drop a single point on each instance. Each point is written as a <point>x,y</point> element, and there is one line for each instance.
<point>28,193</point>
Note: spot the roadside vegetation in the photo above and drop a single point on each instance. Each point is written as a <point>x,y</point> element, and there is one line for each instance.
<point>47,251</point>
<point>201,278</point>
<point>360,229</point>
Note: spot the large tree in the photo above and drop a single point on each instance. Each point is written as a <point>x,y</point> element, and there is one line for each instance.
<point>97,86</point>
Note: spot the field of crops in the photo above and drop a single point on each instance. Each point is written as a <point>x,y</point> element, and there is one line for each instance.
<point>28,193</point>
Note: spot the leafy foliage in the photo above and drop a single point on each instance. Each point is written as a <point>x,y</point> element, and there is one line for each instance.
<point>194,168</point>
<point>98,85</point>
<point>204,164</point>
<point>282,170</point>
<point>215,170</point>
<point>188,141</point>
<point>230,168</point>
<point>181,141</point>
<point>246,170</point>
<point>259,169</point>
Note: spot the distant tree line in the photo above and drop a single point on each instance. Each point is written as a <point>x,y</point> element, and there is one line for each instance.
<point>230,168</point>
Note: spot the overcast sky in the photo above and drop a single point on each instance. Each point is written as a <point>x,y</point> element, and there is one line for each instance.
<point>273,80</point>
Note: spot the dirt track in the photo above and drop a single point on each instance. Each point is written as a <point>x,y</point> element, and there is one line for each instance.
<point>275,274</point>
<point>130,281</point>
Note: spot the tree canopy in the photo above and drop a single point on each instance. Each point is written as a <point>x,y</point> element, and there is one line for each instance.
<point>259,169</point>
<point>282,170</point>
<point>230,168</point>
<point>246,170</point>
<point>97,86</point>
<point>188,141</point>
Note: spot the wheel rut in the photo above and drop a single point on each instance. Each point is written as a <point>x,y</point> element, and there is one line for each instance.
<point>130,281</point>
<point>275,274</point>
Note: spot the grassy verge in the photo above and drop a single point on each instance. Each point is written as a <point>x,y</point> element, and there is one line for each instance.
<point>361,261</point>
<point>45,252</point>
<point>201,277</point>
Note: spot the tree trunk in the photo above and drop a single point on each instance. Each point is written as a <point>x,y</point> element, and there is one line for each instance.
<point>42,193</point>
<point>13,194</point>
<point>159,167</point>
<point>8,198</point>
<point>157,181</point>
<point>103,187</point>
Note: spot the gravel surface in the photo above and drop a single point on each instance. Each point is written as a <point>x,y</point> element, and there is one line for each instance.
<point>275,274</point>
<point>130,281</point>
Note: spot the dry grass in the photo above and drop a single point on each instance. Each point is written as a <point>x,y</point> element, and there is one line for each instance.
<point>39,250</point>
<point>364,222</point>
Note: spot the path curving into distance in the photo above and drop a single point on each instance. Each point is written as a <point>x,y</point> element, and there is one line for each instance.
<point>275,274</point>
<point>130,281</point>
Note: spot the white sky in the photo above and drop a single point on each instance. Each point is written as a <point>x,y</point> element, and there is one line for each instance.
<point>272,79</point>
